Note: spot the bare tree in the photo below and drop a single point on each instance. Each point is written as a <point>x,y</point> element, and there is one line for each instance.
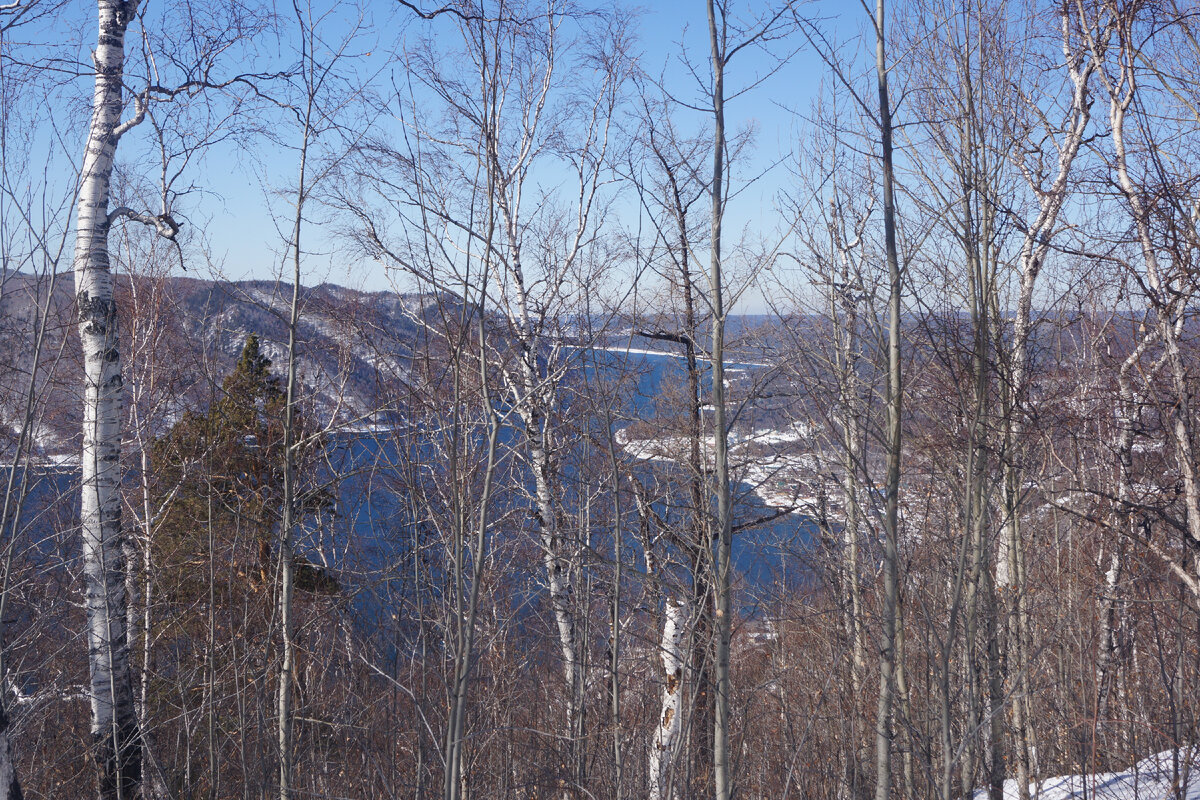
<point>323,99</point>
<point>478,232</point>
<point>894,434</point>
<point>721,49</point>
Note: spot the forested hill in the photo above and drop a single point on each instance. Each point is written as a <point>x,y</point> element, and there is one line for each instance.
<point>183,335</point>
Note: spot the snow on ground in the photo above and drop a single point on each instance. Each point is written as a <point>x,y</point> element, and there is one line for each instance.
<point>781,480</point>
<point>731,365</point>
<point>1152,778</point>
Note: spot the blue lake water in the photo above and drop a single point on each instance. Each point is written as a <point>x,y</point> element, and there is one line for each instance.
<point>375,542</point>
<point>381,535</point>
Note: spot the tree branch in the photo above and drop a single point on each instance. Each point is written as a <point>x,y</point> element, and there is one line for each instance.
<point>164,223</point>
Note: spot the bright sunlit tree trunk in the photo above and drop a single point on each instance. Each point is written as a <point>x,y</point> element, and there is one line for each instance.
<point>670,719</point>
<point>114,721</point>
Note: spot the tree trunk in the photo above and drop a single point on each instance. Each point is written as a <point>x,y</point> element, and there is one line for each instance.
<point>1010,564</point>
<point>10,787</point>
<point>114,721</point>
<point>454,779</point>
<point>535,395</point>
<point>1128,416</point>
<point>288,523</point>
<point>887,639</point>
<point>670,720</point>
<point>722,568</point>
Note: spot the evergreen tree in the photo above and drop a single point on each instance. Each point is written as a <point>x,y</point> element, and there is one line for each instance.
<point>225,467</point>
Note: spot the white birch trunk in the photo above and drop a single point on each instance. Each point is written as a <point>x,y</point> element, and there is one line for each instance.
<point>670,720</point>
<point>510,147</point>
<point>556,558</point>
<point>1034,249</point>
<point>10,788</point>
<point>723,527</point>
<point>535,398</point>
<point>1128,415</point>
<point>114,721</point>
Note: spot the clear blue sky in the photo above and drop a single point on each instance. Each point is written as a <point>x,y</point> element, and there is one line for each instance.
<point>235,209</point>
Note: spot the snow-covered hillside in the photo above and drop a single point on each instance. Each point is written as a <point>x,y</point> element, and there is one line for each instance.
<point>181,336</point>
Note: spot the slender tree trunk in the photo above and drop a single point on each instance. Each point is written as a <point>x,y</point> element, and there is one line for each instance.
<point>1128,416</point>
<point>902,699</point>
<point>845,297</point>
<point>670,720</point>
<point>454,779</point>
<point>723,572</point>
<point>615,614</point>
<point>114,720</point>
<point>1010,564</point>
<point>535,400</point>
<point>701,548</point>
<point>1167,304</point>
<point>142,586</point>
<point>154,789</point>
<point>988,659</point>
<point>843,307</point>
<point>893,440</point>
<point>290,510</point>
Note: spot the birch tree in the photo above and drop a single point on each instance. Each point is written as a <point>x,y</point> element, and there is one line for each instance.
<point>1048,177</point>
<point>835,372</point>
<point>969,180</point>
<point>115,112</point>
<point>1165,232</point>
<point>670,720</point>
<point>667,173</point>
<point>114,722</point>
<point>511,110</point>
<point>323,100</point>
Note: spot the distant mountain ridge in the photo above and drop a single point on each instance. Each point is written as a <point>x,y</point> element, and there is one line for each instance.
<point>180,336</point>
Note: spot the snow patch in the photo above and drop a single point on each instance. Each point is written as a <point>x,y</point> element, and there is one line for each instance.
<point>1152,778</point>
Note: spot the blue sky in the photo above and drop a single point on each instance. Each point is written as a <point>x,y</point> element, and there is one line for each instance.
<point>237,205</point>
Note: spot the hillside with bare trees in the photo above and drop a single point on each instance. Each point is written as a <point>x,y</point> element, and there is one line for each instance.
<point>502,399</point>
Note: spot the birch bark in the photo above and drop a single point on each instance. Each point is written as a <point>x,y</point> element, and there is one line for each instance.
<point>533,381</point>
<point>288,523</point>
<point>114,722</point>
<point>666,735</point>
<point>1167,302</point>
<point>1128,417</point>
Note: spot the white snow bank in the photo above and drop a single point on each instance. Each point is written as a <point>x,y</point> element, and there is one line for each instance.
<point>1152,778</point>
